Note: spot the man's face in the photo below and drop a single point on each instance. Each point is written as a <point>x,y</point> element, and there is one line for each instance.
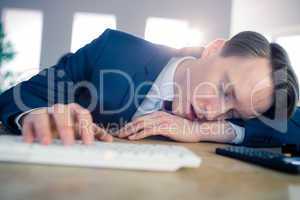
<point>226,87</point>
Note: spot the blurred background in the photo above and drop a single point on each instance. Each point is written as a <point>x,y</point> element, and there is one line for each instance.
<point>35,33</point>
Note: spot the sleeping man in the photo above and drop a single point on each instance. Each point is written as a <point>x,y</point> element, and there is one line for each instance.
<point>138,89</point>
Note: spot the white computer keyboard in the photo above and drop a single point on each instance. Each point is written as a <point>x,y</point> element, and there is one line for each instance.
<point>103,155</point>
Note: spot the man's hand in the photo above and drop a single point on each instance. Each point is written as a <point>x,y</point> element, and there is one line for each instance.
<point>160,123</point>
<point>177,128</point>
<point>67,122</point>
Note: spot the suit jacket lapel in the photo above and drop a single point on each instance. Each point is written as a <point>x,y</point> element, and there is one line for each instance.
<point>141,61</point>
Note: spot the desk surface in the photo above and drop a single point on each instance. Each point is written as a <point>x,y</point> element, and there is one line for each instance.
<point>217,178</point>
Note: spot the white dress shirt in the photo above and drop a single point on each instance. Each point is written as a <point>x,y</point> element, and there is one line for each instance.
<point>162,90</point>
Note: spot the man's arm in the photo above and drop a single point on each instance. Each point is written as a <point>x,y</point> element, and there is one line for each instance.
<point>51,85</point>
<point>179,129</point>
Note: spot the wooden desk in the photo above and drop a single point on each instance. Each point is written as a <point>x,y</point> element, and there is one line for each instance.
<point>217,178</point>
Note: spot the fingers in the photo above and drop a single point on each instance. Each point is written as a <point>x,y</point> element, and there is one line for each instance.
<point>144,133</point>
<point>42,128</point>
<point>140,123</point>
<point>27,131</point>
<point>64,123</point>
<point>36,126</point>
<point>102,135</point>
<point>85,126</point>
<point>130,128</point>
<point>152,121</point>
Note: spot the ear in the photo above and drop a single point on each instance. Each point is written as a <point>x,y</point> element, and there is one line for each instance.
<point>213,47</point>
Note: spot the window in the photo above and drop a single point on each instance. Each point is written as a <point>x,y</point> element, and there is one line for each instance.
<point>23,28</point>
<point>88,26</point>
<point>172,32</point>
<point>292,45</point>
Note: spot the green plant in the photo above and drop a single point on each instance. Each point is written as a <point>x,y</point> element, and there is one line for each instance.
<point>6,54</point>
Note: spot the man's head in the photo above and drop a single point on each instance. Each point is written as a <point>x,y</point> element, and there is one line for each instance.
<point>243,77</point>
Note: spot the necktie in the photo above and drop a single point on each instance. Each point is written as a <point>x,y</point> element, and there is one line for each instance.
<point>167,106</point>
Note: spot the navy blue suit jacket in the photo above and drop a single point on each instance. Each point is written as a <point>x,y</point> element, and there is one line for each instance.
<point>93,64</point>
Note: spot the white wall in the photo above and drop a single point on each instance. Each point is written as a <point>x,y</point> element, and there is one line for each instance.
<point>211,16</point>
<point>271,17</point>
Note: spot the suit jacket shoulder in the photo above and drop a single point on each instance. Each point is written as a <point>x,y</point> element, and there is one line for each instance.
<point>110,65</point>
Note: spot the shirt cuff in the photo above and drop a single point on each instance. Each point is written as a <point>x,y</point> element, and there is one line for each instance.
<point>17,120</point>
<point>240,134</point>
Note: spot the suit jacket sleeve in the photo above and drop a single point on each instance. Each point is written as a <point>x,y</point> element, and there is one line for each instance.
<point>49,86</point>
<point>259,134</point>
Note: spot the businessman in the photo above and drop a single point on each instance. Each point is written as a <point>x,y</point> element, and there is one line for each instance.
<point>124,83</point>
